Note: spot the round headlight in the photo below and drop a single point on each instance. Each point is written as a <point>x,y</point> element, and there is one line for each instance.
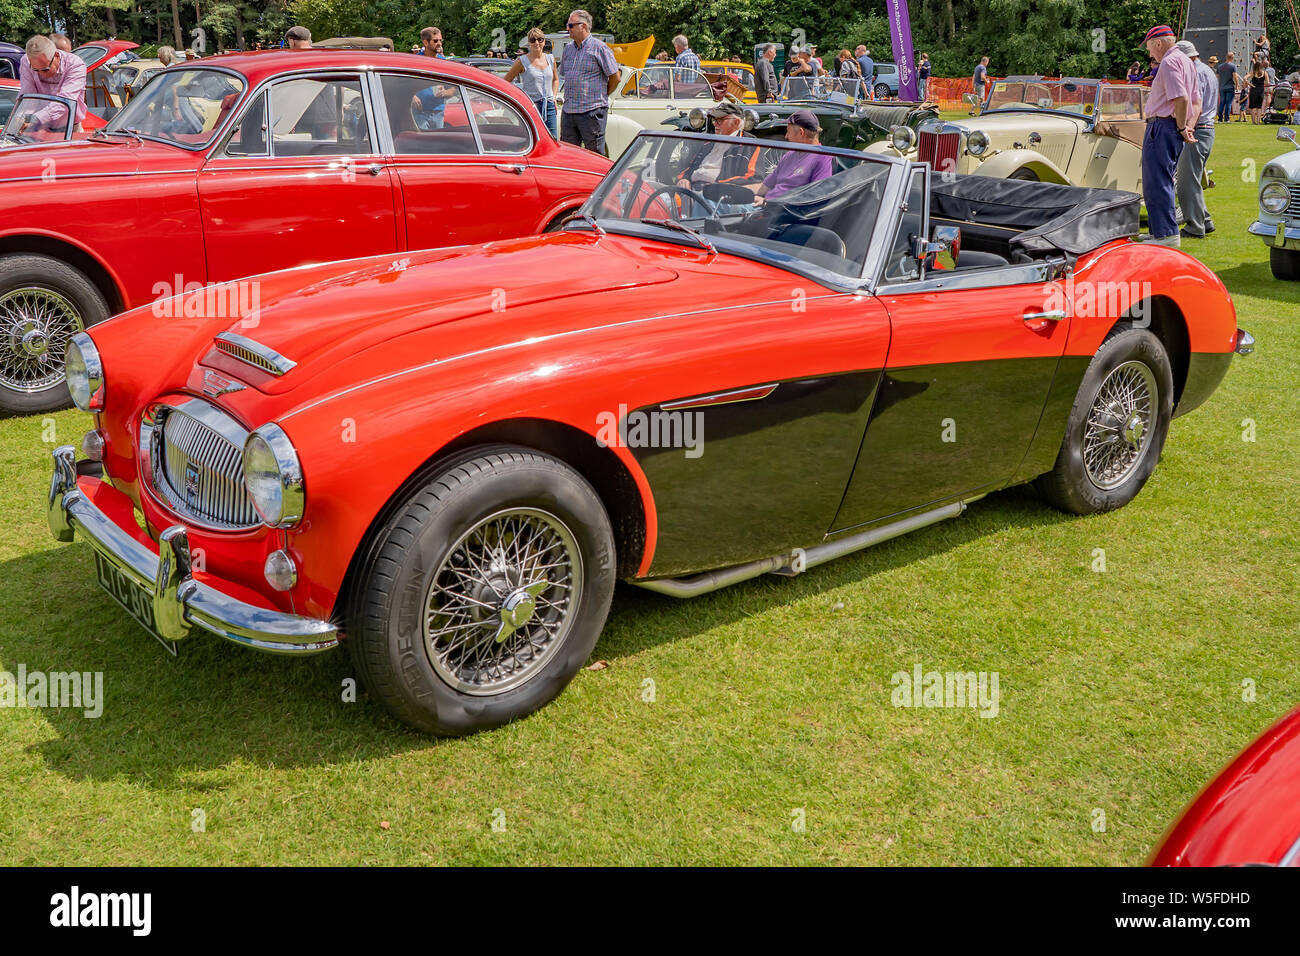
<point>902,138</point>
<point>1274,198</point>
<point>696,118</point>
<point>751,120</point>
<point>85,373</point>
<point>273,477</point>
<point>977,142</point>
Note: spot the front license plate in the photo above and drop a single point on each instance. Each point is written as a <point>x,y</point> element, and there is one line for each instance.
<point>137,602</point>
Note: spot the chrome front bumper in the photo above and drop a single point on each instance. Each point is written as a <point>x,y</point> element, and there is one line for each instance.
<point>1277,234</point>
<point>178,602</point>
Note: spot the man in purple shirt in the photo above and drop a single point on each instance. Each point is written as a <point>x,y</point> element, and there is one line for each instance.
<point>1172,109</point>
<point>45,70</point>
<point>796,168</point>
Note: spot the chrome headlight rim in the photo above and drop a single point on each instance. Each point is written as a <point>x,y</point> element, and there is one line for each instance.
<point>902,138</point>
<point>696,119</point>
<point>1280,198</point>
<point>83,370</point>
<point>287,509</point>
<point>977,142</point>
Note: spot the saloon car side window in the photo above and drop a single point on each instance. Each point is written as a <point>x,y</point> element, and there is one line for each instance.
<point>428,117</point>
<point>319,117</point>
<point>248,138</point>
<point>501,128</point>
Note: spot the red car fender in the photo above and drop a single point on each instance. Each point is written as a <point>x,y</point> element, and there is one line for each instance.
<point>1106,275</point>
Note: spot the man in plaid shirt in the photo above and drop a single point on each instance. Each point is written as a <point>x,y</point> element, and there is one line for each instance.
<point>686,58</point>
<point>590,74</point>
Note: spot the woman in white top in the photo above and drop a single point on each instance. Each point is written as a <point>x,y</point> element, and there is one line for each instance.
<point>540,80</point>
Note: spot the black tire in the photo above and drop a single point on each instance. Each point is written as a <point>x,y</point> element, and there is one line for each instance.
<point>1086,487</point>
<point>32,347</point>
<point>424,547</point>
<point>1026,174</point>
<point>1285,264</point>
<point>882,91</point>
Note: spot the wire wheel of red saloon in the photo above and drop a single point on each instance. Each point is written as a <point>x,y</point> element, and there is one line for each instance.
<point>1117,426</point>
<point>43,303</point>
<point>485,593</point>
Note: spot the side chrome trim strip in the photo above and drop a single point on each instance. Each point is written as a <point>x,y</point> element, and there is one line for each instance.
<point>753,394</point>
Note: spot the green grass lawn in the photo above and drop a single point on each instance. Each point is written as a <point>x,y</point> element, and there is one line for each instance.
<point>1121,691</point>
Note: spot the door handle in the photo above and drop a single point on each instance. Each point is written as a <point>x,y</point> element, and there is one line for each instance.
<point>1051,315</point>
<point>374,169</point>
<point>511,168</point>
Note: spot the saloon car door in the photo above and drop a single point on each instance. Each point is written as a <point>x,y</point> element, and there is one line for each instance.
<point>973,354</point>
<point>462,160</point>
<point>297,180</point>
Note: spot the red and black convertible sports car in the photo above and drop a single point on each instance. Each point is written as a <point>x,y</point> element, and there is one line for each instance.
<point>447,458</point>
<point>247,163</point>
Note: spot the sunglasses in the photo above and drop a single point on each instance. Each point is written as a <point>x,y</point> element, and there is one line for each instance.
<point>48,69</point>
<point>570,26</point>
<point>537,39</point>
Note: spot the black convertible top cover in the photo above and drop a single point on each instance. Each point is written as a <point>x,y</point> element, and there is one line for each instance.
<point>1051,217</point>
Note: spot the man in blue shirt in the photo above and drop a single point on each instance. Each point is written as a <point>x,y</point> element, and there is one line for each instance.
<point>868,65</point>
<point>686,59</point>
<point>590,74</point>
<point>430,104</point>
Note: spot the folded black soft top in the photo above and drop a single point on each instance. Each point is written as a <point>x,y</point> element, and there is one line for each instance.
<point>1051,217</point>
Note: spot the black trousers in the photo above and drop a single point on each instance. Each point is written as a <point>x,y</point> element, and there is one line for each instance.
<point>584,129</point>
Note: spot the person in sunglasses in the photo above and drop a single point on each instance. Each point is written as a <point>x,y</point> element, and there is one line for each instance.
<point>590,74</point>
<point>43,69</point>
<point>541,82</point>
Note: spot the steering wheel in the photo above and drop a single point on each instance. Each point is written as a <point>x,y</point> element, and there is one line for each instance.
<point>674,189</point>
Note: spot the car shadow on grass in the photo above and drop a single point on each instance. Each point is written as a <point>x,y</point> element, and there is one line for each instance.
<point>1256,279</point>
<point>173,721</point>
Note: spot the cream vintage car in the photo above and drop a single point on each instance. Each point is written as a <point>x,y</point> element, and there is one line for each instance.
<point>1076,131</point>
<point>645,98</point>
<point>1279,210</point>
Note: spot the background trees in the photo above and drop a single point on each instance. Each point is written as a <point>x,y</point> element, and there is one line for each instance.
<point>1080,37</point>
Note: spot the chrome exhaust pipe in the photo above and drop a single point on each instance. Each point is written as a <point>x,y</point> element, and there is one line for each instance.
<point>800,559</point>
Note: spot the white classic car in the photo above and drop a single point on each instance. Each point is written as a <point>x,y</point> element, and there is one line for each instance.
<point>645,98</point>
<point>1076,131</point>
<point>1279,210</point>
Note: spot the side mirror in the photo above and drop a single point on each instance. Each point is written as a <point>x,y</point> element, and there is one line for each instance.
<point>945,247</point>
<point>1288,134</point>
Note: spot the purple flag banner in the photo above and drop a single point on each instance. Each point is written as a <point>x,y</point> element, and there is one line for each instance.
<point>900,33</point>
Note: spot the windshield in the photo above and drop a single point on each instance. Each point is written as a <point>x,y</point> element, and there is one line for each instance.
<point>181,106</point>
<point>830,89</point>
<point>786,205</point>
<point>90,54</point>
<point>8,97</point>
<point>37,118</point>
<point>1064,95</point>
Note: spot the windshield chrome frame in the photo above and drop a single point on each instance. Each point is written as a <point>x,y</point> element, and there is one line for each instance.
<point>69,105</point>
<point>893,193</point>
<point>1089,119</point>
<point>217,131</point>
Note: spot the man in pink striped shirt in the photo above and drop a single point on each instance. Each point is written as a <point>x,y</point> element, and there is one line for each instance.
<point>1171,110</point>
<point>47,70</point>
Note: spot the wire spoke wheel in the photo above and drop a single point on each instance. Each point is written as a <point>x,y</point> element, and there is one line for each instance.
<point>502,601</point>
<point>1119,425</point>
<point>35,326</point>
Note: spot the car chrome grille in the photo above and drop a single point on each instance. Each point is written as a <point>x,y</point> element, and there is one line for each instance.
<point>197,456</point>
<point>939,150</point>
<point>1293,207</point>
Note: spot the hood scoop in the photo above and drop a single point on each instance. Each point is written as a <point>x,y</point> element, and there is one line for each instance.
<point>252,353</point>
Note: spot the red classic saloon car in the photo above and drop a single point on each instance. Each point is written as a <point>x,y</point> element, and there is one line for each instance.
<point>249,163</point>
<point>447,458</point>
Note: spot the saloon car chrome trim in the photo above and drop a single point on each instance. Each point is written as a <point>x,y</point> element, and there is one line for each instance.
<point>179,602</point>
<point>252,353</point>
<point>800,559</point>
<point>722,398</point>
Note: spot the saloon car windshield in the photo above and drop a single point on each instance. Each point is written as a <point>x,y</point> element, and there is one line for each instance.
<point>184,107</point>
<point>792,206</point>
<point>829,89</point>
